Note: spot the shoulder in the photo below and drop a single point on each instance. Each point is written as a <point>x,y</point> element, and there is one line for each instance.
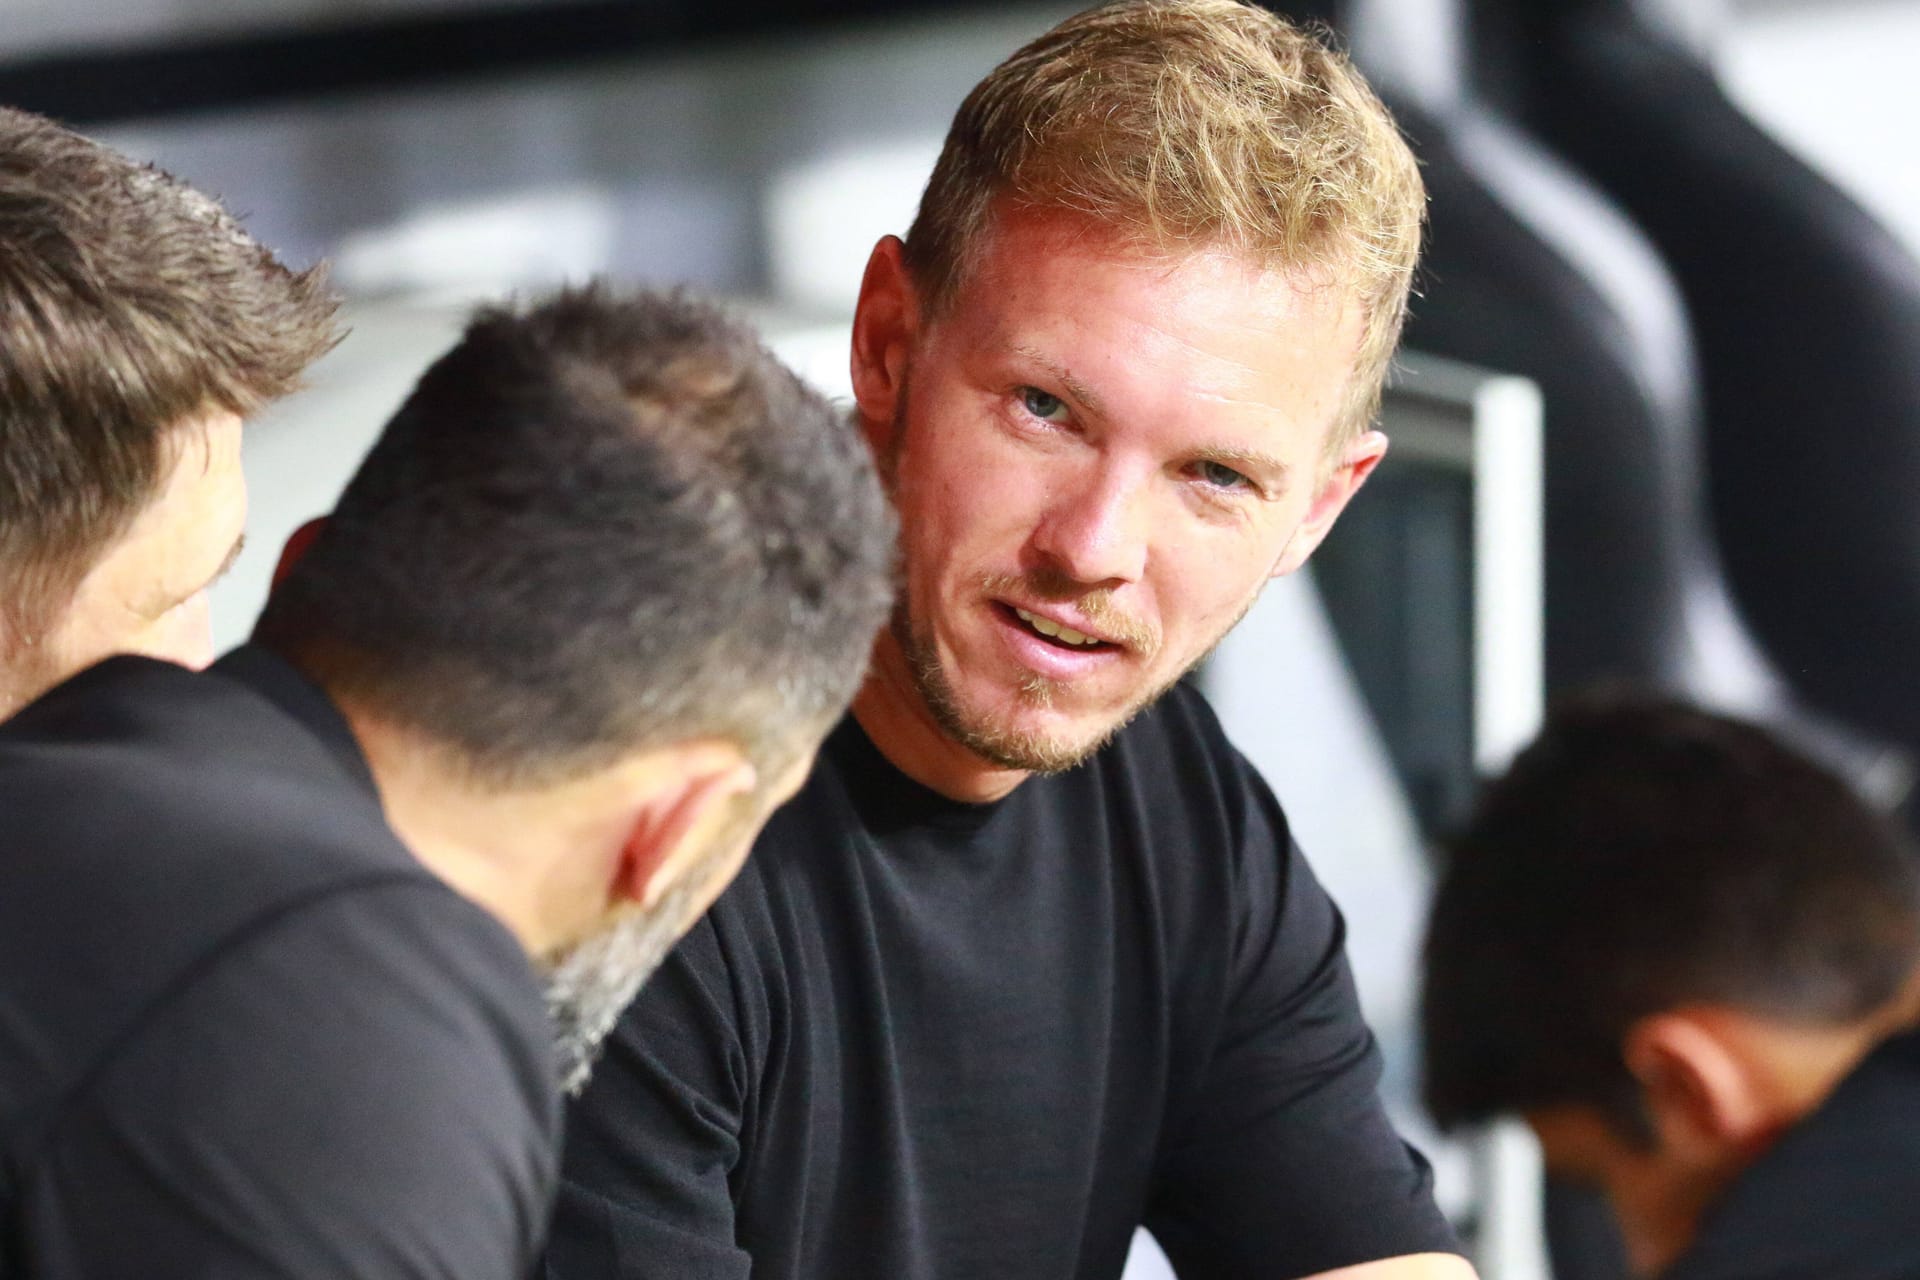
<point>134,751</point>
<point>1832,1196</point>
<point>369,1067</point>
<point>131,701</point>
<point>395,979</point>
<point>153,812</point>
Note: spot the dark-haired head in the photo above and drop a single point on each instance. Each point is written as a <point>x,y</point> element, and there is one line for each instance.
<point>601,523</point>
<point>613,571</point>
<point>1643,856</point>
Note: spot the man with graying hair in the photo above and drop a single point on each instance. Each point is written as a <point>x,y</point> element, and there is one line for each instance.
<point>273,934</point>
<point>138,325</point>
<point>1032,959</point>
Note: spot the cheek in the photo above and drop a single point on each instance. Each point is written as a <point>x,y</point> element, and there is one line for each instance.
<point>183,635</point>
<point>1204,589</point>
<point>974,517</point>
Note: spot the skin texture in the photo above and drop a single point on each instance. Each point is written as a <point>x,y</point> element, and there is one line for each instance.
<point>148,592</point>
<point>1123,442</point>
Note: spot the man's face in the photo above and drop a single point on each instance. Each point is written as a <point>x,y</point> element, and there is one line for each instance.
<point>148,593</point>
<point>1100,454</point>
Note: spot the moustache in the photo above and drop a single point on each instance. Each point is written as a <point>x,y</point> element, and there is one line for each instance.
<point>1050,586</point>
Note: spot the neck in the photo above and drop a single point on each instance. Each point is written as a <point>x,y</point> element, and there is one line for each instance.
<point>524,856</point>
<point>1793,1069</point>
<point>894,714</point>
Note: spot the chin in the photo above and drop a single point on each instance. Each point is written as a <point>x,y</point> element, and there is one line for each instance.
<point>1032,734</point>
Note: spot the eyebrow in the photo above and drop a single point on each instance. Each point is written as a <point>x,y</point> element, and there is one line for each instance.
<point>1080,391</point>
<point>1244,457</point>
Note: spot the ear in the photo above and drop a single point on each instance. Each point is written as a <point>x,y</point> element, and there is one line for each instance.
<point>885,322</point>
<point>675,815</point>
<point>1342,481</point>
<point>297,545</point>
<point>1703,1091</point>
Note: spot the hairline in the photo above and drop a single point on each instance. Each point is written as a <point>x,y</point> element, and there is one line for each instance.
<point>1134,235</point>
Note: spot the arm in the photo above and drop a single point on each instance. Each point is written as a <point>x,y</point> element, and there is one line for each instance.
<point>651,1141</point>
<point>330,1096</point>
<point>1420,1266</point>
<point>1281,1161</point>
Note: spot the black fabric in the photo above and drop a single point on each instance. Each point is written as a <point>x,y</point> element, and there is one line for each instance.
<point>924,1040</point>
<point>1837,1198</point>
<point>242,1031</point>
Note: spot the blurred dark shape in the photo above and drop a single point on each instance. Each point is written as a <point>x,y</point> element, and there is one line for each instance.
<point>1806,315</point>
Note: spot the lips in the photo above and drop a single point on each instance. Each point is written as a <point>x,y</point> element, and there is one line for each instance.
<point>1050,655</point>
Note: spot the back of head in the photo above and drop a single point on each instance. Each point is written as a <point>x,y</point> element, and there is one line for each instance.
<point>130,305</point>
<point>600,524</point>
<point>1190,124</point>
<point>1639,857</point>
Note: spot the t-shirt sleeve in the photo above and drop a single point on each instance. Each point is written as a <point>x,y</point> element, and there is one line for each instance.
<point>348,1089</point>
<point>651,1141</point>
<point>1282,1162</point>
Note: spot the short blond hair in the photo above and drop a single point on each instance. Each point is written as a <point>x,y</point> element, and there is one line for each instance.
<point>1203,123</point>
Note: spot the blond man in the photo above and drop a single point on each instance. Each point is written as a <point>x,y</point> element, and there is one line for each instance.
<point>138,325</point>
<point>1032,959</point>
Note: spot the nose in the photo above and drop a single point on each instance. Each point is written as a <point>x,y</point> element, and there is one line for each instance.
<point>1095,531</point>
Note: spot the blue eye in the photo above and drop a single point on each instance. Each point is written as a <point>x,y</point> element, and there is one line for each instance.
<point>1042,405</point>
<point>1221,476</point>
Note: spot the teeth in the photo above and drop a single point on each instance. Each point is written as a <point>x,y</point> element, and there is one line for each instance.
<point>1054,630</point>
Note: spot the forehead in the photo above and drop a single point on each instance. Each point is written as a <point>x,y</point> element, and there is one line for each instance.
<point>1169,327</point>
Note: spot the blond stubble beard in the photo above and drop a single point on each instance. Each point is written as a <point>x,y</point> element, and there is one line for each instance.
<point>998,743</point>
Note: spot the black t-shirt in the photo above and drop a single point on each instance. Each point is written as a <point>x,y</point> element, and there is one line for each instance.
<point>1837,1198</point>
<point>926,1040</point>
<point>242,1031</point>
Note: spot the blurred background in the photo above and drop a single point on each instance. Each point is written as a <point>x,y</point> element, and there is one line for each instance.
<point>1661,418</point>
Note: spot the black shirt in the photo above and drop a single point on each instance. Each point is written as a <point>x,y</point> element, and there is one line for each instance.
<point>242,1031</point>
<point>927,1040</point>
<point>1837,1197</point>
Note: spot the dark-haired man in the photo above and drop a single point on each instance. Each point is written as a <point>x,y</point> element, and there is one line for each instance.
<point>1688,957</point>
<point>1033,959</point>
<point>138,325</point>
<point>576,626</point>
